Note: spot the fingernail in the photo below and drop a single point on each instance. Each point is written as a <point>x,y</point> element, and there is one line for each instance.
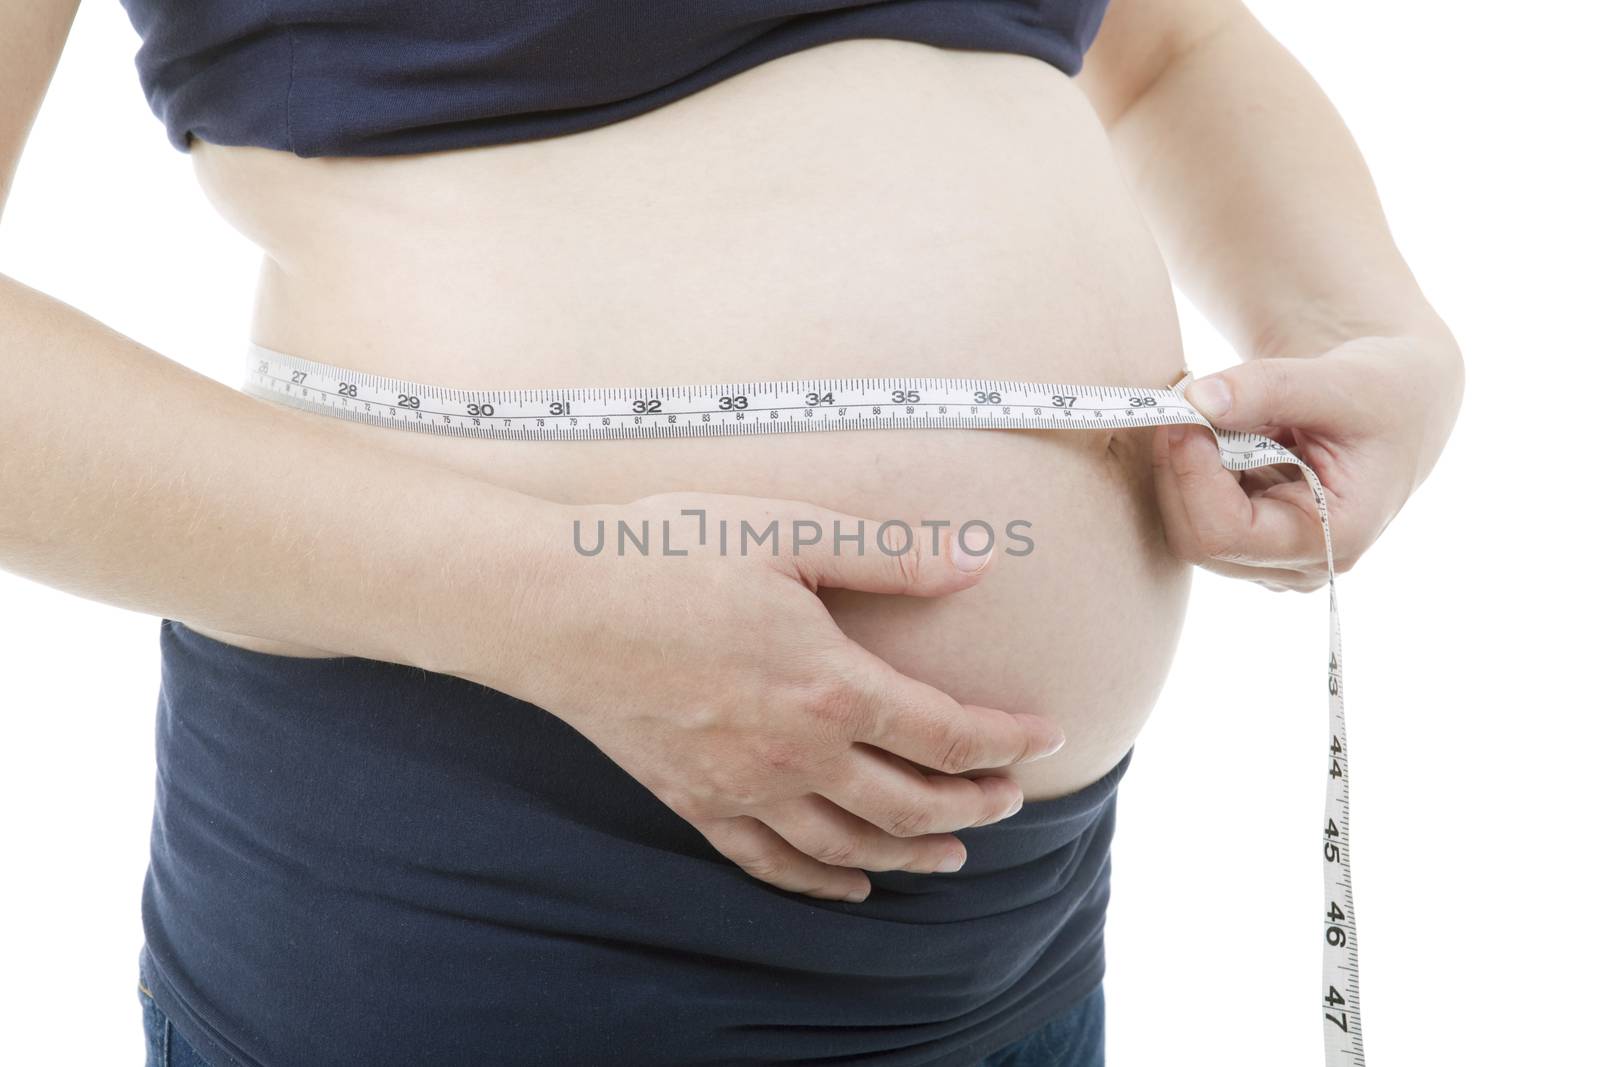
<point>1016,806</point>
<point>951,863</point>
<point>965,561</point>
<point>857,896</point>
<point>1210,396</point>
<point>1061,739</point>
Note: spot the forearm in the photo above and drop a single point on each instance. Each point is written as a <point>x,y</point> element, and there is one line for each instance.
<point>1261,202</point>
<point>128,479</point>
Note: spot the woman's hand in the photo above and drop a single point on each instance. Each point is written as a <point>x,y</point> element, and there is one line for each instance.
<point>1370,416</point>
<point>719,680</point>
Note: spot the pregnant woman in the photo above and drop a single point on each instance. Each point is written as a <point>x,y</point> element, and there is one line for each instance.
<point>437,787</point>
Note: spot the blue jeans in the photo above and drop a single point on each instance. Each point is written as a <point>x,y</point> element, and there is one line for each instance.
<point>1076,1039</point>
<point>163,1045</point>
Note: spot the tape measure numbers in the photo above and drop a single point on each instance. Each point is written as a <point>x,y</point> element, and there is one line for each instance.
<point>868,404</point>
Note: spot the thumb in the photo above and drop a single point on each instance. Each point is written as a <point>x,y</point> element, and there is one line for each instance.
<point>894,557</point>
<point>1312,392</point>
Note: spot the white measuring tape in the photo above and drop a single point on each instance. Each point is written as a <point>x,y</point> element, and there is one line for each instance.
<point>867,404</point>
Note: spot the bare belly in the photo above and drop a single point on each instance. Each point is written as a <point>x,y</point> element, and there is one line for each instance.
<point>870,207</point>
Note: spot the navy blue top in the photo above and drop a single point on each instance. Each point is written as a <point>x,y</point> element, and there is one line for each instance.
<point>355,863</point>
<point>383,77</point>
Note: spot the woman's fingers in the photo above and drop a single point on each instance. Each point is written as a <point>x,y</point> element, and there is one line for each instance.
<point>764,855</point>
<point>893,559</point>
<point>1312,393</point>
<point>898,798</point>
<point>1219,520</point>
<point>1279,581</point>
<point>1182,542</point>
<point>899,714</point>
<point>826,832</point>
<point>814,845</point>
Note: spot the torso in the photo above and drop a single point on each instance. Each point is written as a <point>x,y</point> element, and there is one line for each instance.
<point>865,208</point>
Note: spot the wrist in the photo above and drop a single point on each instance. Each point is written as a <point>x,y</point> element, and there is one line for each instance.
<point>1311,329</point>
<point>1422,375</point>
<point>507,602</point>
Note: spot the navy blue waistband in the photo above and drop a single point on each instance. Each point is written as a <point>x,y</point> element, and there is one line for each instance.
<point>355,862</point>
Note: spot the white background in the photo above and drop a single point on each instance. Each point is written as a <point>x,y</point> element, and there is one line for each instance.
<point>1467,629</point>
